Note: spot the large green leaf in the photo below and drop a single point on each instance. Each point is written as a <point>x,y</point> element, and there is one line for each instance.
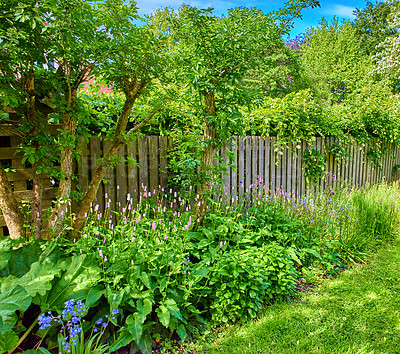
<point>21,259</point>
<point>144,307</point>
<point>77,278</point>
<point>164,315</point>
<point>5,246</point>
<point>15,299</point>
<point>36,281</point>
<point>173,308</point>
<point>145,344</point>
<point>8,341</point>
<point>94,295</point>
<point>124,338</point>
<point>181,330</point>
<point>135,326</point>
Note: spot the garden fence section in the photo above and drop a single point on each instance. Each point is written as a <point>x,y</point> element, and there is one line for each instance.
<point>256,160</point>
<point>142,164</point>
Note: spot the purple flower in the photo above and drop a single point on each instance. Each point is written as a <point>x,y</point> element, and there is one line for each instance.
<point>114,312</point>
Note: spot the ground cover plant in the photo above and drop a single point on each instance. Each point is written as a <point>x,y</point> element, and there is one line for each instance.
<point>356,312</point>
<point>166,273</point>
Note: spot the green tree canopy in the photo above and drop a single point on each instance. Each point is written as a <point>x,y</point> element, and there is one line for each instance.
<point>371,24</point>
<point>334,61</point>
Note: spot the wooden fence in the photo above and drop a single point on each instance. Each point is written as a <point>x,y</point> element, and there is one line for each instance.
<point>254,160</point>
<point>261,159</point>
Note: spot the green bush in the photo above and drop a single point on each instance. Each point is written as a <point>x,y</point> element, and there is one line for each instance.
<point>241,280</point>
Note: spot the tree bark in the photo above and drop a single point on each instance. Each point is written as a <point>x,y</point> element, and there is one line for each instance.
<point>32,118</point>
<point>10,208</point>
<point>59,212</point>
<point>36,208</point>
<point>207,158</point>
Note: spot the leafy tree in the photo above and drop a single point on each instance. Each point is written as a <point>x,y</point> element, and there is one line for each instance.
<point>387,59</point>
<point>46,53</point>
<point>217,53</point>
<point>333,59</point>
<point>47,50</point>
<point>371,25</point>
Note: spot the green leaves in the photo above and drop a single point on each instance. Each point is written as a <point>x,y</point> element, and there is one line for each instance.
<point>163,315</point>
<point>11,300</point>
<point>38,280</point>
<point>8,341</point>
<point>77,278</point>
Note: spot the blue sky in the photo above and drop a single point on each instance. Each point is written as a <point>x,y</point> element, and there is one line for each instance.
<point>329,8</point>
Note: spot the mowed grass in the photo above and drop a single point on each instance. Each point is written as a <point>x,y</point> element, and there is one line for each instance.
<point>357,312</point>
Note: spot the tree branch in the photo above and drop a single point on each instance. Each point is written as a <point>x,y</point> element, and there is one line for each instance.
<point>143,122</point>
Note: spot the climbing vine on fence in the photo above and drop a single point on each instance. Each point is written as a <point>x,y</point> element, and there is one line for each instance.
<point>314,165</point>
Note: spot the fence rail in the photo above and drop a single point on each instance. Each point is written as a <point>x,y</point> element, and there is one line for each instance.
<point>253,160</point>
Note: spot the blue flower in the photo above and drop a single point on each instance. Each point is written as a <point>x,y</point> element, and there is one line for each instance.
<point>114,312</point>
<point>75,330</point>
<point>69,308</point>
<point>99,321</point>
<point>44,321</point>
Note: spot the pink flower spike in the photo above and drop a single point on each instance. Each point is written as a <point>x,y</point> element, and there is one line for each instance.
<point>154,225</point>
<point>115,296</point>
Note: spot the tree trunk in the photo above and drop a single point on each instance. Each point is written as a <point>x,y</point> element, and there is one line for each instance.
<point>59,212</point>
<point>36,208</point>
<point>32,118</point>
<point>207,158</point>
<point>10,208</point>
<point>84,205</point>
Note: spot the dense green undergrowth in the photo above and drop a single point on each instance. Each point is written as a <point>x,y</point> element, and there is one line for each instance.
<point>357,312</point>
<point>166,273</point>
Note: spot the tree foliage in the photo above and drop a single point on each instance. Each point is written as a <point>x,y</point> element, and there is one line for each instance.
<point>47,51</point>
<point>334,61</point>
<point>387,59</point>
<point>372,25</point>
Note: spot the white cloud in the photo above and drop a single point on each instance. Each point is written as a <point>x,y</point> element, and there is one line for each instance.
<point>147,6</point>
<point>339,10</point>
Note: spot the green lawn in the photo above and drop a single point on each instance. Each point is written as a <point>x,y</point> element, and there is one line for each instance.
<point>358,312</point>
